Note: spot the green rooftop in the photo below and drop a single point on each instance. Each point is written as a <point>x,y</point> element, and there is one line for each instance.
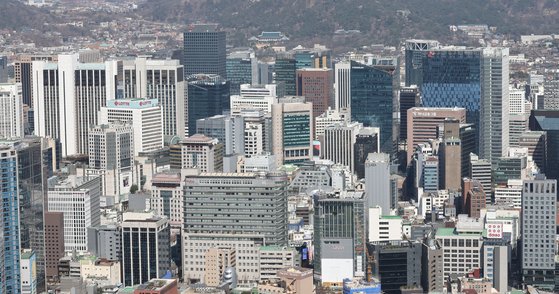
<point>27,254</point>
<point>390,217</point>
<point>445,232</point>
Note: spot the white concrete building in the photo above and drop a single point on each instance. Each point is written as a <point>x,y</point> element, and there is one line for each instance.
<point>338,143</point>
<point>67,96</point>
<point>329,118</point>
<point>255,163</point>
<point>517,101</point>
<point>28,271</point>
<point>461,246</point>
<point>511,194</point>
<point>78,199</point>
<point>539,211</point>
<point>11,111</point>
<point>111,156</point>
<point>342,86</point>
<point>384,227</point>
<point>144,115</point>
<point>149,78</point>
<point>254,97</point>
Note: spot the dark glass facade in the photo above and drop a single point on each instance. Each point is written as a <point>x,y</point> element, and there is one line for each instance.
<point>409,98</point>
<point>208,95</point>
<point>286,74</point>
<point>239,71</point>
<point>548,121</point>
<point>372,99</point>
<point>204,52</point>
<point>364,144</point>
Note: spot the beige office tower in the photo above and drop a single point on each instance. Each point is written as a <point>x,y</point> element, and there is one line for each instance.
<point>292,129</point>
<point>423,124</point>
<point>450,164</point>
<point>450,156</point>
<point>217,260</point>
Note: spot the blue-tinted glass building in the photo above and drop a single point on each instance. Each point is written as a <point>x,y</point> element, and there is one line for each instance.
<point>372,99</point>
<point>452,78</point>
<point>240,67</point>
<point>9,241</point>
<point>208,95</point>
<point>415,50</point>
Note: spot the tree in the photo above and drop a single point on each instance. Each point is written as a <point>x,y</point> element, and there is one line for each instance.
<point>133,189</point>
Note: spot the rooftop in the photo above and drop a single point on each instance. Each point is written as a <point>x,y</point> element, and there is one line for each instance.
<point>156,284</point>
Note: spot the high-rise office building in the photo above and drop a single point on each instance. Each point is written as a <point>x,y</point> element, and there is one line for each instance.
<point>450,163</point>
<point>292,131</point>
<point>377,181</point>
<point>480,170</point>
<point>518,124</point>
<point>415,49</point>
<point>409,98</point>
<point>315,84</point>
<point>3,69</point>
<point>146,247</point>
<point>35,165</point>
<point>285,70</point>
<point>204,50</point>
<point>551,94</point>
<point>494,111</point>
<point>11,111</point>
<point>342,86</point>
<point>329,118</point>
<point>539,198</point>
<point>339,223</point>
<point>111,156</point>
<point>338,144</point>
<point>148,78</point>
<point>548,121</point>
<point>54,243</point>
<point>473,196</point>
<point>249,219</point>
<point>208,95</point>
<point>10,241</point>
<point>372,99</point>
<point>459,77</point>
<point>451,77</point>
<point>536,143</point>
<point>67,97</point>
<point>242,68</point>
<point>366,141</point>
<point>143,114</point>
<point>423,124</point>
<point>23,74</point>
<point>78,199</point>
